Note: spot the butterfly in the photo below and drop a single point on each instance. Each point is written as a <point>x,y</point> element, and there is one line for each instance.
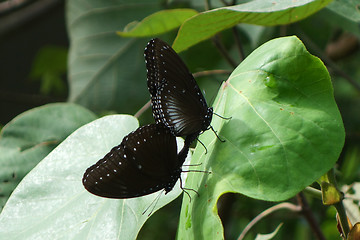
<point>146,161</point>
<point>176,99</point>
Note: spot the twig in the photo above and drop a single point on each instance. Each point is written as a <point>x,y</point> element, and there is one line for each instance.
<point>198,74</point>
<point>225,3</point>
<point>10,5</point>
<point>33,99</point>
<point>305,209</point>
<point>211,72</point>
<point>24,15</point>
<point>238,43</point>
<point>143,109</point>
<point>207,5</point>
<point>223,51</point>
<point>233,2</point>
<point>265,213</point>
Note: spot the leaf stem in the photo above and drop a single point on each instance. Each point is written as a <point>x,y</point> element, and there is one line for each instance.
<point>143,109</point>
<point>313,192</point>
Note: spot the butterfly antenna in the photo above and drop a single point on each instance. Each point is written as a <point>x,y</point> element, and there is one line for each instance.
<point>197,171</point>
<point>184,190</point>
<point>154,202</point>
<point>202,144</point>
<point>190,189</point>
<point>222,116</point>
<point>192,165</point>
<point>216,134</point>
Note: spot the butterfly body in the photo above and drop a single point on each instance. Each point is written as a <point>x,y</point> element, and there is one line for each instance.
<point>176,99</point>
<point>146,161</point>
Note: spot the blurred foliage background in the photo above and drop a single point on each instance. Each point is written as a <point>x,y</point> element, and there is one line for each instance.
<point>34,45</point>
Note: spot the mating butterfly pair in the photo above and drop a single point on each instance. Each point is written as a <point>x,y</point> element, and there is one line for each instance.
<point>146,160</point>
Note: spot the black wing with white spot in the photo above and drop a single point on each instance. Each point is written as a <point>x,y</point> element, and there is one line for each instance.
<point>145,162</point>
<point>176,98</point>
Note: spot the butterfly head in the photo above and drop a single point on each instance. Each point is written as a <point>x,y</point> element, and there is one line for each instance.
<point>207,119</point>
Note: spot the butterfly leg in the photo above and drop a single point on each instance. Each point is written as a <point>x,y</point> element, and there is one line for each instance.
<point>202,145</point>
<point>222,116</point>
<point>216,134</point>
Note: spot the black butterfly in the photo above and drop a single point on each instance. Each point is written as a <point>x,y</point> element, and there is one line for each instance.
<point>146,161</point>
<point>176,99</point>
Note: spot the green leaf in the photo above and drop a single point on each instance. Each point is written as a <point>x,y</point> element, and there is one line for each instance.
<point>259,12</point>
<point>270,235</point>
<point>345,13</point>
<point>347,8</point>
<point>106,72</point>
<point>157,23</point>
<point>48,67</point>
<point>286,131</point>
<point>49,59</point>
<point>29,137</point>
<point>51,200</point>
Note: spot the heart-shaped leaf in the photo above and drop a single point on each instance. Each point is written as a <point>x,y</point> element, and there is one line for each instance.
<point>51,201</point>
<point>286,131</point>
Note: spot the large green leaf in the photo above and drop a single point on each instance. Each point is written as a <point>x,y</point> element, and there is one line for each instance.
<point>105,70</point>
<point>51,202</point>
<point>29,137</point>
<point>345,13</point>
<point>285,132</point>
<point>347,8</point>
<point>259,12</point>
<point>157,23</point>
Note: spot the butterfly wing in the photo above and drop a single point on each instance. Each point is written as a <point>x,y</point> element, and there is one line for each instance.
<point>176,98</point>
<point>144,162</point>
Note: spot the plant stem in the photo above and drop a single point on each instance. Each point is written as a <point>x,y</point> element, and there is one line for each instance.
<point>343,218</point>
<point>309,216</point>
<point>339,206</point>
